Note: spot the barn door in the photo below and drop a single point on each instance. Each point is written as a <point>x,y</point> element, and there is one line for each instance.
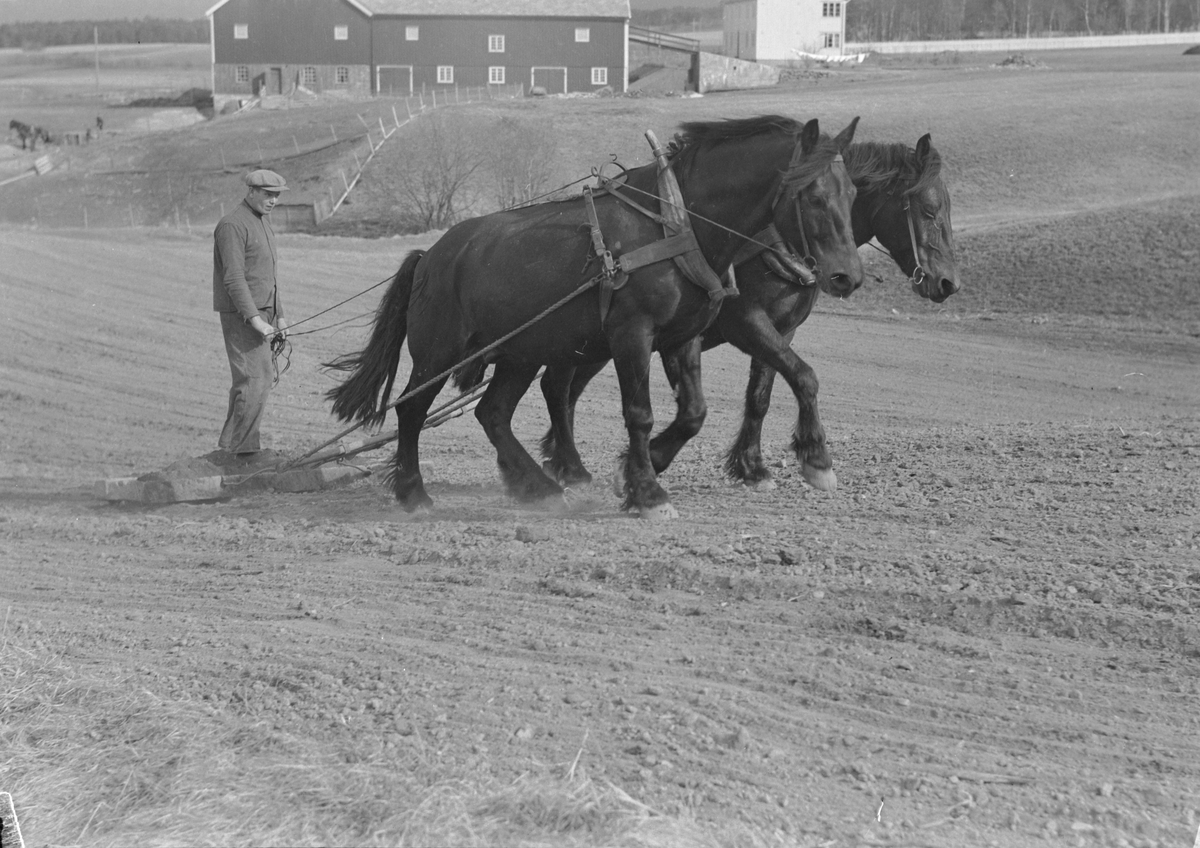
<point>276,81</point>
<point>393,80</point>
<point>553,80</point>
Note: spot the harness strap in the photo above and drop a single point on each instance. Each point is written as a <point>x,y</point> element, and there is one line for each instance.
<point>610,281</point>
<point>691,261</point>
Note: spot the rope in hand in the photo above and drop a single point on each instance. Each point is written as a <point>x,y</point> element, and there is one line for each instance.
<point>281,348</point>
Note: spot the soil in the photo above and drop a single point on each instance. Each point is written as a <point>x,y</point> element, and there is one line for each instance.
<point>984,636</point>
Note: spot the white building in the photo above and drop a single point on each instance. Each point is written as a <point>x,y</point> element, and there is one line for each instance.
<point>775,30</point>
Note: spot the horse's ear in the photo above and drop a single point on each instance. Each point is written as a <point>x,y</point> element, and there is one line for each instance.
<point>809,136</point>
<point>923,146</point>
<point>846,136</point>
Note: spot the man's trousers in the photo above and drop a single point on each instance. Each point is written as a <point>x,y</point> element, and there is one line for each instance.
<point>252,370</point>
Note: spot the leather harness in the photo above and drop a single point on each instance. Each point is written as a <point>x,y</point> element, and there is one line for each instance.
<point>679,241</point>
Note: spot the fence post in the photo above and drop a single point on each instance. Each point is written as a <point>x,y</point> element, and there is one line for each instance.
<point>344,180</point>
<point>433,97</point>
<point>395,117</point>
<point>332,130</point>
<point>296,143</point>
<point>224,167</point>
<point>260,153</point>
<point>362,120</point>
<point>382,131</point>
<point>85,223</point>
<point>456,100</point>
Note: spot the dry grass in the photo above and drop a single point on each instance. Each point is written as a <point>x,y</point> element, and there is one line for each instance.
<point>94,758</point>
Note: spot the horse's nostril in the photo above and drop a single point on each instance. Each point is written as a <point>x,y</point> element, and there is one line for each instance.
<point>949,287</point>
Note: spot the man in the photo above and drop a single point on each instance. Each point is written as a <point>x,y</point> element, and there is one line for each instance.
<point>247,298</point>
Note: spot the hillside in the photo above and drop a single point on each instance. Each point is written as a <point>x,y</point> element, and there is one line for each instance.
<point>1058,188</point>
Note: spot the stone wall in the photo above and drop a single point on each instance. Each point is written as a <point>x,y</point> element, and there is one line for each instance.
<point>723,73</point>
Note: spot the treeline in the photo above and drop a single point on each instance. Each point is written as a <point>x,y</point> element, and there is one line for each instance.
<point>678,19</point>
<point>31,35</point>
<point>922,20</point>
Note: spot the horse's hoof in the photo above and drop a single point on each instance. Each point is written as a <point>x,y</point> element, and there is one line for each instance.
<point>764,485</point>
<point>660,512</point>
<point>819,478</point>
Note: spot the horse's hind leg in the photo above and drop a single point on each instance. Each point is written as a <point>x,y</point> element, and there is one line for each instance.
<point>561,387</point>
<point>405,476</point>
<point>522,475</point>
<point>744,460</point>
<point>683,372</point>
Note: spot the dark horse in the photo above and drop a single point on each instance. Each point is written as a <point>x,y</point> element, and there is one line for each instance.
<point>902,202</point>
<point>489,276</point>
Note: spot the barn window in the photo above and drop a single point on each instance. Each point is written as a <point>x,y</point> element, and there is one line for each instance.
<point>583,34</point>
<point>412,33</point>
<point>496,74</point>
<point>241,30</point>
<point>341,33</point>
<point>308,76</point>
<point>241,73</point>
<point>495,43</point>
<point>831,10</point>
<point>342,75</point>
<point>445,73</point>
<point>599,76</point>
<point>832,39</point>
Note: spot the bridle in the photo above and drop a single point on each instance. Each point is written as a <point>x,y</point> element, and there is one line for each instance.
<point>919,274</point>
<point>807,258</point>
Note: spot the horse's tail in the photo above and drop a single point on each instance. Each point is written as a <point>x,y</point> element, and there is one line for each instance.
<point>363,396</point>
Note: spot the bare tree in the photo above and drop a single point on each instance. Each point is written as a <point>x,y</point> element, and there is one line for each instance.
<point>433,179</point>
<point>521,159</point>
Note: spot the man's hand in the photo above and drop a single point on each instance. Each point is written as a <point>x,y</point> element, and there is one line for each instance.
<point>264,329</point>
<point>281,325</point>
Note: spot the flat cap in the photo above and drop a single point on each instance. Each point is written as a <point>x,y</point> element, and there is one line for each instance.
<point>269,180</point>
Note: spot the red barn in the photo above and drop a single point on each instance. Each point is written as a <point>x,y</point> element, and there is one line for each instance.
<point>397,47</point>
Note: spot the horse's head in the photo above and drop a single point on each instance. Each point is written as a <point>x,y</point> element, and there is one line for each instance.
<point>813,210</point>
<point>910,216</point>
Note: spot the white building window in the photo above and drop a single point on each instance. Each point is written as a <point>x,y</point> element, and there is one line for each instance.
<point>341,33</point>
<point>242,73</point>
<point>241,30</point>
<point>495,43</point>
<point>583,34</point>
<point>496,75</point>
<point>308,76</point>
<point>599,76</point>
<point>831,10</point>
<point>833,39</point>
<point>412,33</point>
<point>445,73</point>
<point>342,75</point>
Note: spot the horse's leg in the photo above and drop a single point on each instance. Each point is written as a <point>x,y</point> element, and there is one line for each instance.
<point>744,460</point>
<point>683,372</point>
<point>631,354</point>
<point>561,387</point>
<point>405,476</point>
<point>522,475</point>
<point>758,337</point>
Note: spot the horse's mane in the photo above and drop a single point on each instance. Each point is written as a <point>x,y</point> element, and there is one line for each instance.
<point>696,135</point>
<point>883,167</point>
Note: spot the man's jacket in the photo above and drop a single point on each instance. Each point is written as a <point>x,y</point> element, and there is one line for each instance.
<point>244,264</point>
